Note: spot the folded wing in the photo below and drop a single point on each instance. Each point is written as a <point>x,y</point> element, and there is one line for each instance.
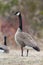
<point>28,40</point>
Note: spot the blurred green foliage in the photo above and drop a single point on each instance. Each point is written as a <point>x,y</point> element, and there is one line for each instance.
<point>29,5</point>
<point>7,6</point>
<point>41,12</point>
<point>14,2</point>
<point>37,26</point>
<point>32,6</point>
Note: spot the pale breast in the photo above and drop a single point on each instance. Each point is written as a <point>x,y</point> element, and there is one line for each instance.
<point>16,38</point>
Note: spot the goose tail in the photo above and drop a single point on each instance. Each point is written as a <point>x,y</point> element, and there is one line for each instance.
<point>36,48</point>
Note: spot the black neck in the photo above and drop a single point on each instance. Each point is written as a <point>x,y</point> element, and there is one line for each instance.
<point>20,22</point>
<point>5,40</point>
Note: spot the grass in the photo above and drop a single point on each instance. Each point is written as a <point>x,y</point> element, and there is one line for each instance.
<point>14,58</point>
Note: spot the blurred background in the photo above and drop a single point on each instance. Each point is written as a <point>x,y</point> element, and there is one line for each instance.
<point>32,17</point>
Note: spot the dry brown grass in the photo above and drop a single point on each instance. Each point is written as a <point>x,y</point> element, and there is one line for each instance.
<point>14,58</point>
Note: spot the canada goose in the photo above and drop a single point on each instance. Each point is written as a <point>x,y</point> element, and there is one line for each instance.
<point>3,48</point>
<point>23,38</point>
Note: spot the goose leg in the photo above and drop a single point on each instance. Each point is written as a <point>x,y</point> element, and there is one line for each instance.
<point>27,52</point>
<point>21,51</point>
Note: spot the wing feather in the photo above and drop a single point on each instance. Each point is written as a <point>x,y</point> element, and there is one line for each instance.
<point>27,39</point>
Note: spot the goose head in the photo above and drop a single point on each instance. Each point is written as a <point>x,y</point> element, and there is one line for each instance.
<point>17,13</point>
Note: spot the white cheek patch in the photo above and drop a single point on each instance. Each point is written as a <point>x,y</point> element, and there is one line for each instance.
<point>18,13</point>
<point>1,51</point>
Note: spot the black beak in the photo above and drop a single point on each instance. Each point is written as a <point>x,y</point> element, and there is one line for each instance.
<point>15,13</point>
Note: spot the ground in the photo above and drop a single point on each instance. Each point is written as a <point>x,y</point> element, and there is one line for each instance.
<point>14,58</point>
